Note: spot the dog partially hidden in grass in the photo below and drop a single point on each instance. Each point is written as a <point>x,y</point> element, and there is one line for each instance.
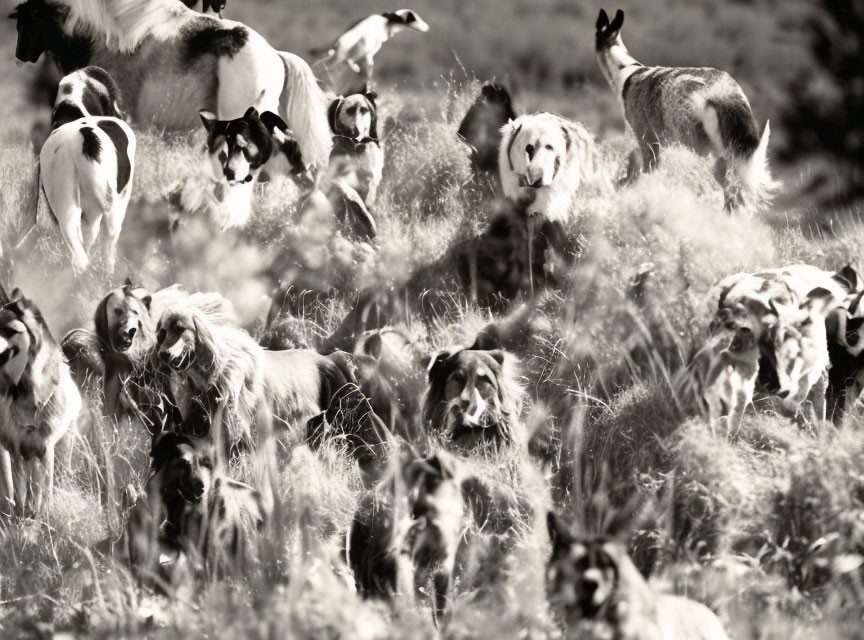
<point>591,582</point>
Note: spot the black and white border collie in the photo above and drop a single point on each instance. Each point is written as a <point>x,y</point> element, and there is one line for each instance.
<point>86,166</point>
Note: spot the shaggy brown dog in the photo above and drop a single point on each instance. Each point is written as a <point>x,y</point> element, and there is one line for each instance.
<point>474,400</point>
<point>39,402</point>
<point>211,362</point>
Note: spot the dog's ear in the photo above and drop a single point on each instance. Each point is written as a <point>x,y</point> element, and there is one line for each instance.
<point>373,110</point>
<point>128,282</point>
<point>512,131</point>
<point>443,464</point>
<point>17,295</point>
<point>602,20</point>
<point>205,345</point>
<point>273,122</point>
<point>559,534</point>
<point>251,114</point>
<point>568,140</point>
<point>147,300</point>
<point>437,364</point>
<point>617,21</point>
<point>208,119</point>
<point>498,356</point>
<point>848,278</point>
<point>100,319</point>
<point>333,113</point>
<point>817,301</point>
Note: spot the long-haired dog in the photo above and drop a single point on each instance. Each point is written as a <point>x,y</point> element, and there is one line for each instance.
<point>190,506</point>
<point>39,402</point>
<point>357,158</point>
<point>411,532</point>
<point>549,154</point>
<point>211,363</point>
<point>481,130</point>
<point>702,108</point>
<point>473,400</point>
<point>159,48</point>
<point>86,166</point>
<point>356,48</point>
<point>591,581</point>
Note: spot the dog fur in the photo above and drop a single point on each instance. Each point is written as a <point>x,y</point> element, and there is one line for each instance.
<point>549,154</point>
<point>39,403</point>
<point>704,109</point>
<point>357,158</point>
<point>481,130</point>
<point>593,580</point>
<point>474,400</point>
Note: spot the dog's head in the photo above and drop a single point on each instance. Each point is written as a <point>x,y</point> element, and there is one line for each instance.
<point>435,501</point>
<point>799,342</point>
<point>182,339</point>
<point>537,147</point>
<point>122,316</point>
<point>90,91</point>
<point>40,28</point>
<point>471,398</point>
<point>582,575</point>
<point>238,149</point>
<point>23,333</point>
<point>183,468</point>
<point>405,19</point>
<point>608,33</point>
<point>355,116</point>
<point>481,126</point>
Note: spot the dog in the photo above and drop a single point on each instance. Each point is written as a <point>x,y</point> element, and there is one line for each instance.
<point>39,403</point>
<point>549,154</point>
<point>357,158</point>
<point>236,152</point>
<point>481,129</point>
<point>86,166</point>
<point>207,7</point>
<point>704,109</point>
<point>211,362</point>
<point>357,47</point>
<point>593,581</point>
<point>190,506</point>
<point>473,400</point>
<point>412,533</point>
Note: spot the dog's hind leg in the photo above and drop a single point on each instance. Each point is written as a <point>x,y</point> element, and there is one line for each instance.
<point>70,227</point>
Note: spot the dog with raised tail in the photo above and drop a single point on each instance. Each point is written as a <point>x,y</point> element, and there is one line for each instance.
<point>86,166</point>
<point>701,108</point>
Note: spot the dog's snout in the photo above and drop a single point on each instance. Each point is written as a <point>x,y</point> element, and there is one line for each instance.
<point>198,486</point>
<point>130,332</point>
<point>589,586</point>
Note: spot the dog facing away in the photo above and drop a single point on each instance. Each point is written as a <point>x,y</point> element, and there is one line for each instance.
<point>356,48</point>
<point>550,155</point>
<point>473,400</point>
<point>481,130</point>
<point>39,404</point>
<point>593,581</point>
<point>87,166</point>
<point>210,363</point>
<point>190,506</point>
<point>701,108</point>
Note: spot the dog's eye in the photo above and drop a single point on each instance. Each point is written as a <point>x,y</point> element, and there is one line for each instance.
<point>207,463</point>
<point>179,462</point>
<point>223,156</point>
<point>548,147</point>
<point>118,312</point>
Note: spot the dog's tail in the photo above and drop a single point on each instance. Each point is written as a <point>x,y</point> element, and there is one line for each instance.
<point>752,177</point>
<point>304,108</point>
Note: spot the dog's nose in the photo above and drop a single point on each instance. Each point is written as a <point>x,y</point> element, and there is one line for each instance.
<point>164,356</point>
<point>783,393</point>
<point>589,586</point>
<point>130,332</point>
<point>229,173</point>
<point>198,486</point>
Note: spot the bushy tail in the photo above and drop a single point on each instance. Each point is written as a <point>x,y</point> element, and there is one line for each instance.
<point>304,107</point>
<point>751,184</point>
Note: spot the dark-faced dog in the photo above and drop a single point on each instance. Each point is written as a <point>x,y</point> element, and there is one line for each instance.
<point>238,149</point>
<point>481,130</point>
<point>190,506</point>
<point>88,91</point>
<point>473,400</point>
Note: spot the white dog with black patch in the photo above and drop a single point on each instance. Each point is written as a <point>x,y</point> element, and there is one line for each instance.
<point>549,154</point>
<point>86,166</point>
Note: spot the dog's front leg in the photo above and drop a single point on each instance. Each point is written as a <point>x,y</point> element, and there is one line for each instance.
<point>6,462</point>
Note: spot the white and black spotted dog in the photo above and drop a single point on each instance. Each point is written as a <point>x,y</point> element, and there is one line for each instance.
<point>357,47</point>
<point>549,154</point>
<point>701,108</point>
<point>357,158</point>
<point>236,152</point>
<point>86,165</point>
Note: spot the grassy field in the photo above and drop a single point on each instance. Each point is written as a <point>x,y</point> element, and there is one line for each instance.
<point>767,528</point>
